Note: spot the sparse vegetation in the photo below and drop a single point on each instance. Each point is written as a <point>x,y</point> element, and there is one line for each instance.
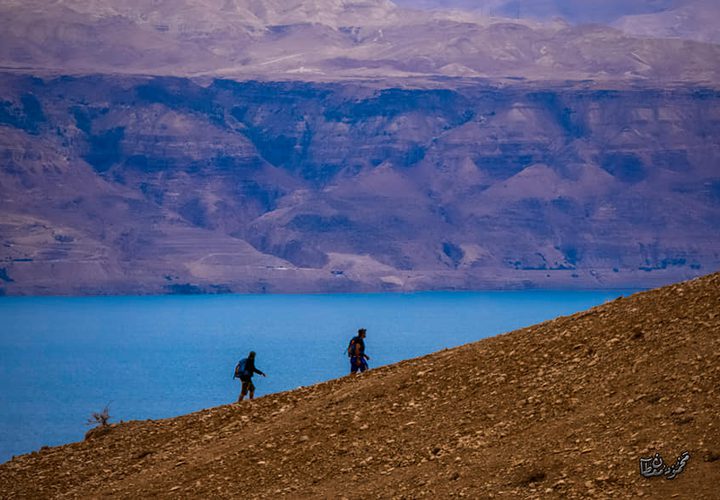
<point>100,418</point>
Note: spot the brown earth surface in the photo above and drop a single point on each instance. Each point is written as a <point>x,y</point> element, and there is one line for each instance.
<point>563,409</point>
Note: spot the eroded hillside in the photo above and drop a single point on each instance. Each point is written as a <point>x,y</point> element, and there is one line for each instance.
<point>156,185</point>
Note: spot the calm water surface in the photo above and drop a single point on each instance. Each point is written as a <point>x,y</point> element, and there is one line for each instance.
<point>153,357</point>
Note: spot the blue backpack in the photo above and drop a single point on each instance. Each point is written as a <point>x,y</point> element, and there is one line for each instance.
<point>240,371</point>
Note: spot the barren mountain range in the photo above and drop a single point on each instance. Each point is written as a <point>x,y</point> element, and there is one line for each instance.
<point>129,184</point>
<point>564,409</point>
<point>333,39</point>
<point>692,19</point>
<point>347,145</point>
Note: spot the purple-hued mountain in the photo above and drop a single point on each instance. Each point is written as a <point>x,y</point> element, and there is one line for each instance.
<point>329,40</point>
<point>349,145</point>
<point>691,20</point>
<point>686,19</point>
<point>128,184</point>
<point>585,11</point>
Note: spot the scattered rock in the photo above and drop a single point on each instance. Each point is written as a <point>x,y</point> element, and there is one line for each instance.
<point>98,432</point>
<point>580,434</point>
<point>531,477</point>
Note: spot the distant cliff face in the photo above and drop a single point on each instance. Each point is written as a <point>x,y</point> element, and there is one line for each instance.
<point>118,185</point>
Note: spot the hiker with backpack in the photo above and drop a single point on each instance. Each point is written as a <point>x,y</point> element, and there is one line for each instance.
<point>356,352</point>
<point>244,370</point>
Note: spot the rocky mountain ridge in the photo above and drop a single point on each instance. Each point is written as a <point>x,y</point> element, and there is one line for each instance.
<point>326,40</point>
<point>607,12</point>
<point>691,21</point>
<point>564,409</point>
<point>351,145</point>
<point>157,185</point>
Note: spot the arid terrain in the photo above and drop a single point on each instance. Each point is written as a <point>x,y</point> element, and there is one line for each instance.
<point>564,409</point>
<point>208,146</point>
<point>331,40</point>
<point>115,184</point>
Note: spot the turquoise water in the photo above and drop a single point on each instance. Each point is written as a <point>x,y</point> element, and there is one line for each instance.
<point>153,357</point>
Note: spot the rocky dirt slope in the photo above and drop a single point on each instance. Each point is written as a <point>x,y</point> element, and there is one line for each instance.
<point>561,409</point>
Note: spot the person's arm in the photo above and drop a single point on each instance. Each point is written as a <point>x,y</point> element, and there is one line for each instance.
<point>259,372</point>
<point>357,352</point>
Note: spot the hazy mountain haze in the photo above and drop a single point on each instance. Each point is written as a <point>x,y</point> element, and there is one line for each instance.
<point>689,19</point>
<point>329,39</point>
<point>585,11</point>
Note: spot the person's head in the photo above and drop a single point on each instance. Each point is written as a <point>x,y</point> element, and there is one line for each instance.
<point>362,332</point>
<point>251,355</point>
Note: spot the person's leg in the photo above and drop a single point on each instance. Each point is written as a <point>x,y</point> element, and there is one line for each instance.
<point>353,365</point>
<point>243,391</point>
<point>251,388</point>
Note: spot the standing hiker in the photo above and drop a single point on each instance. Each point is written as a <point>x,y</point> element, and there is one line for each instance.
<point>356,352</point>
<point>244,370</point>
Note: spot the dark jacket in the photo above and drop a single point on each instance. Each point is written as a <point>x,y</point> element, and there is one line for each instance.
<point>250,369</point>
